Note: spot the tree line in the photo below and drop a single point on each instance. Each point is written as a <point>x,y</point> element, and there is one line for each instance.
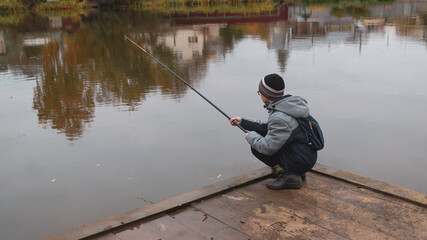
<point>14,5</point>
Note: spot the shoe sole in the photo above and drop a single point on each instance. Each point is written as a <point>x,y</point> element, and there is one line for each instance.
<point>289,186</point>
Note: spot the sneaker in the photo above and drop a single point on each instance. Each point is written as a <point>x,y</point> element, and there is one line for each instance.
<point>286,181</point>
<point>274,174</point>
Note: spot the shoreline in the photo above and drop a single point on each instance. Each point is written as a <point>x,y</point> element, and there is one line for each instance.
<point>13,6</point>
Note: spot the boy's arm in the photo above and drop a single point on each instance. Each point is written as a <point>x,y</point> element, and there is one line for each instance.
<point>254,125</point>
<point>277,135</point>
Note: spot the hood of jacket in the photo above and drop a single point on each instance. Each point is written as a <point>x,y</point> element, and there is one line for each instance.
<point>294,106</point>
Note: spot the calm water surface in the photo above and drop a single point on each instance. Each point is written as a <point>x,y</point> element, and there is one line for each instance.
<point>91,127</point>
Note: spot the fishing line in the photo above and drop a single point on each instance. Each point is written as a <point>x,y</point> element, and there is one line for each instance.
<point>185,82</point>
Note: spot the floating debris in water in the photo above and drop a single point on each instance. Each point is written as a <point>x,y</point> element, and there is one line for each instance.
<point>220,175</point>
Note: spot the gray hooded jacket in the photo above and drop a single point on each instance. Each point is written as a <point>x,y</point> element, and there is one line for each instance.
<point>280,124</point>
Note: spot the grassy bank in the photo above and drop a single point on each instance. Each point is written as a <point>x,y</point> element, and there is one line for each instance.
<point>185,5</point>
<point>28,5</point>
<point>176,2</point>
<point>13,19</point>
<point>11,5</point>
<point>60,5</point>
<point>39,5</point>
<point>334,3</point>
<point>205,8</point>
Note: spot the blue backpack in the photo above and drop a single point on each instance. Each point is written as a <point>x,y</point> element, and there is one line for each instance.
<point>312,132</point>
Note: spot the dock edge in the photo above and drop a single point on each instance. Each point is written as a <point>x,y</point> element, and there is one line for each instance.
<point>185,199</point>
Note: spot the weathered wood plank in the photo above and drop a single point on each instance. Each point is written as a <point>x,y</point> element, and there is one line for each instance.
<point>164,227</point>
<point>352,221</point>
<point>263,220</point>
<point>400,219</point>
<point>350,192</point>
<point>207,226</point>
<point>237,220</point>
<point>375,185</point>
<point>353,190</point>
<point>108,236</point>
<point>140,232</point>
<point>169,228</point>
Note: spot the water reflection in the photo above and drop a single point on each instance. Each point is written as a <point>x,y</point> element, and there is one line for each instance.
<point>95,66</point>
<point>85,62</point>
<point>63,97</point>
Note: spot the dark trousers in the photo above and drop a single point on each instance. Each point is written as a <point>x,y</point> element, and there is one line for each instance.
<point>289,162</point>
<point>270,161</point>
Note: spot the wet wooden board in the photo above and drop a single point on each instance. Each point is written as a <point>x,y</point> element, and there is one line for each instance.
<point>108,236</point>
<point>262,219</point>
<point>324,208</point>
<point>372,184</point>
<point>375,210</point>
<point>348,220</point>
<point>208,226</point>
<point>189,223</point>
<point>169,228</point>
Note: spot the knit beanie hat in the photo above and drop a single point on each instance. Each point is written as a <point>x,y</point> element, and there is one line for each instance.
<point>272,86</point>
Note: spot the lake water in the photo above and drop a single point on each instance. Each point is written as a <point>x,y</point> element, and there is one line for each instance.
<point>91,127</point>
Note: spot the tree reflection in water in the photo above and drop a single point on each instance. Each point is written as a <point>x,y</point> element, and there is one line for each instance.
<point>96,66</point>
<point>62,98</point>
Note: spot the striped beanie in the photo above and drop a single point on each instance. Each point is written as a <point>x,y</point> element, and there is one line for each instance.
<point>272,86</point>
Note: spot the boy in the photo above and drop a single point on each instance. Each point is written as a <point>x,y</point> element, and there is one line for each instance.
<point>280,143</point>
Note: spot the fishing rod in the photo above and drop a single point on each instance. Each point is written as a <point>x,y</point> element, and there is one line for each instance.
<point>185,82</point>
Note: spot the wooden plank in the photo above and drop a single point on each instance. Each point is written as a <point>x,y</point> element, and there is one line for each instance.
<point>108,236</point>
<point>400,219</point>
<point>164,227</point>
<point>139,232</point>
<point>331,221</point>
<point>357,190</point>
<point>375,185</point>
<point>207,226</point>
<point>344,191</point>
<point>237,220</point>
<point>224,214</point>
<point>263,220</point>
<point>169,228</point>
<point>352,221</point>
<point>166,205</point>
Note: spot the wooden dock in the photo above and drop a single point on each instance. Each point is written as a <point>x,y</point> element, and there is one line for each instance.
<point>332,204</point>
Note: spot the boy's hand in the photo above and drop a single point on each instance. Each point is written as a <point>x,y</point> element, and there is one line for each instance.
<point>236,120</point>
<point>246,135</point>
